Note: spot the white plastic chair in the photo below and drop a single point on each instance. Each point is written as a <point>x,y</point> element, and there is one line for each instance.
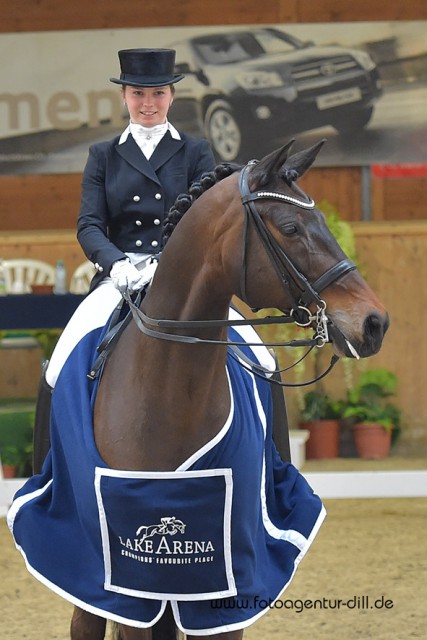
<point>81,278</point>
<point>21,273</point>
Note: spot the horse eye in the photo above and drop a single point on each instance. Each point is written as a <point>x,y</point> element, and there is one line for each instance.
<point>289,229</point>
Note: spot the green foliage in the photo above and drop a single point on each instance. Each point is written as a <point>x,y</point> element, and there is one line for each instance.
<point>20,457</point>
<point>10,455</point>
<point>16,434</point>
<point>367,401</point>
<point>25,466</point>
<point>340,229</point>
<point>319,406</point>
<point>47,338</point>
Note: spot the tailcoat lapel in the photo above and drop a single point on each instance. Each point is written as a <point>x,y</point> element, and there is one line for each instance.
<point>166,148</point>
<point>130,152</point>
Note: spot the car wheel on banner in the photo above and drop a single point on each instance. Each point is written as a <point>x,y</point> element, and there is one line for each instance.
<point>354,121</point>
<point>223,131</point>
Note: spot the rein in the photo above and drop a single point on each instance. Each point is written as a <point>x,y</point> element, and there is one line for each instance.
<point>287,272</point>
<point>141,320</point>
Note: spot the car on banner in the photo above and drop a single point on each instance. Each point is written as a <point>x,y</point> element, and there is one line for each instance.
<point>246,88</point>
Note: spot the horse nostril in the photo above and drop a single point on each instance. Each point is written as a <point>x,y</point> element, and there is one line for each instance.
<point>375,327</point>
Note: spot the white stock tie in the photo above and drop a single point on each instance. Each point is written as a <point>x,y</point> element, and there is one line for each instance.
<point>147,138</point>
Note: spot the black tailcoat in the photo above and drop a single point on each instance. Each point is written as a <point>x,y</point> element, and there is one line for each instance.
<point>125,197</point>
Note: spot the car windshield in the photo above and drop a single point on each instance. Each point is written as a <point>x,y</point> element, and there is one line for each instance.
<point>236,47</point>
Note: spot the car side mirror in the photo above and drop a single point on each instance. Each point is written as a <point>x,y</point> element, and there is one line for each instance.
<point>184,68</point>
<point>202,77</point>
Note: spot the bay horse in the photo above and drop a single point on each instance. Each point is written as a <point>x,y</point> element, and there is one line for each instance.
<point>164,393</point>
<point>174,395</point>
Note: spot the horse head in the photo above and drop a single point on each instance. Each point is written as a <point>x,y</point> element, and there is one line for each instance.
<point>308,267</point>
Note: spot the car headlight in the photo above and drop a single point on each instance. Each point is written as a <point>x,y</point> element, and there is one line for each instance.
<point>251,80</point>
<point>365,60</point>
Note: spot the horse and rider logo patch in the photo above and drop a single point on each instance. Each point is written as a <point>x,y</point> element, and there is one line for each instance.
<point>166,534</point>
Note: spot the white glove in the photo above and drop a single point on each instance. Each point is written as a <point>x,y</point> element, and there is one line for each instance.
<point>126,277</point>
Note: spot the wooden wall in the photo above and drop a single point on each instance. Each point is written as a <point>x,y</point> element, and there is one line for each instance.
<point>47,15</point>
<point>394,253</point>
<point>39,202</point>
<point>44,202</point>
<point>50,246</point>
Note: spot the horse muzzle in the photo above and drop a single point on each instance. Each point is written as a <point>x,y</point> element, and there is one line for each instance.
<point>368,344</point>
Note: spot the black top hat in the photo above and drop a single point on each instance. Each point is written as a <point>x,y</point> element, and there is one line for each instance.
<point>147,67</point>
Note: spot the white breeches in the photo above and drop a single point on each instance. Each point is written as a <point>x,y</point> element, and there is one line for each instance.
<point>91,314</point>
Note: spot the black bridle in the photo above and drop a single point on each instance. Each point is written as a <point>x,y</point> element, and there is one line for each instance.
<point>287,272</point>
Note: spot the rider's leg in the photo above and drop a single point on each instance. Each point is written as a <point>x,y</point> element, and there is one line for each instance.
<point>91,314</point>
<point>41,439</point>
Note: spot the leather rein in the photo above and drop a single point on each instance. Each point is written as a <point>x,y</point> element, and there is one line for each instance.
<point>287,272</point>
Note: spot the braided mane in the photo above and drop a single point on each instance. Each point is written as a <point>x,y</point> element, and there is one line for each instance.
<point>184,201</point>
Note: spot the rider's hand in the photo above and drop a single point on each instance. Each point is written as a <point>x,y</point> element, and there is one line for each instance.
<point>126,277</point>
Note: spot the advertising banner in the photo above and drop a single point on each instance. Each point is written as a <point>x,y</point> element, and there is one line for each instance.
<point>248,89</point>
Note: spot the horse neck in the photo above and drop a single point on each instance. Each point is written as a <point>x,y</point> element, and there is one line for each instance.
<point>191,283</point>
<point>198,270</point>
<point>186,289</point>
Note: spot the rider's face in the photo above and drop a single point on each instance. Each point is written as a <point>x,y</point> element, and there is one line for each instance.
<point>148,106</point>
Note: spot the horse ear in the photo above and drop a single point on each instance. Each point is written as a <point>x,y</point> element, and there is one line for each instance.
<point>301,161</point>
<point>269,165</point>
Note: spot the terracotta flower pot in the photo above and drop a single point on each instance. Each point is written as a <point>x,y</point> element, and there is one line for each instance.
<point>323,441</point>
<point>9,470</point>
<point>372,440</point>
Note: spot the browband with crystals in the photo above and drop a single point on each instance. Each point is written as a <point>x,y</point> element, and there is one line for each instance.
<point>257,195</point>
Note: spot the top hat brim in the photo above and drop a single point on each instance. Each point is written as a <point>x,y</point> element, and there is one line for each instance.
<point>135,81</point>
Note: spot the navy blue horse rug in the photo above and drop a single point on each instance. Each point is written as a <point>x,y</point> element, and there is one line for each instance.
<point>229,526</point>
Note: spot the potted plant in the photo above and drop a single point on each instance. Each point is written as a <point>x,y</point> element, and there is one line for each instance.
<point>16,461</point>
<point>10,458</point>
<point>377,421</point>
<point>320,416</point>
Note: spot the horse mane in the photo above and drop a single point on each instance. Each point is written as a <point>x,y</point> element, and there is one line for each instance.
<point>184,201</point>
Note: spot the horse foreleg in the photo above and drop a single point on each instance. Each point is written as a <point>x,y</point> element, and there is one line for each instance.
<point>164,629</point>
<point>131,633</point>
<point>87,626</point>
